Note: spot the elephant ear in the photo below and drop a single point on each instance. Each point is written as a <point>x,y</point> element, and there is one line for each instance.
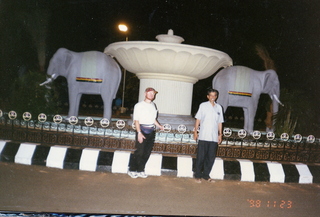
<point>68,59</point>
<point>271,82</point>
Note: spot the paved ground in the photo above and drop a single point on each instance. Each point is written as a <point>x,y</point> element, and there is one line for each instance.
<point>42,189</point>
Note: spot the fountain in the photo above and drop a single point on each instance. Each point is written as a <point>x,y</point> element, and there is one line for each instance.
<point>171,68</point>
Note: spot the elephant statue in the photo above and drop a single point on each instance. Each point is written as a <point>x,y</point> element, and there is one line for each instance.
<point>241,86</point>
<point>90,72</point>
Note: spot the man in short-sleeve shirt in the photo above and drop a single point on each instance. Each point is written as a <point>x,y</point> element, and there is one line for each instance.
<point>144,117</point>
<point>210,118</point>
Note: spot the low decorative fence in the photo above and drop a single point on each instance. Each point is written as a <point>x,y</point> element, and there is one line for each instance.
<point>117,135</point>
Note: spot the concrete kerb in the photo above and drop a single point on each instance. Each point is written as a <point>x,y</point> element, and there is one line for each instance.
<point>91,159</point>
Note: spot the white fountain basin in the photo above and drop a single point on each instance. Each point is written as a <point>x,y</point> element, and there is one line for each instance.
<point>168,61</point>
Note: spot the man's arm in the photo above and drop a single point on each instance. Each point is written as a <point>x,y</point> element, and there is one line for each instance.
<point>196,127</point>
<point>158,125</point>
<point>220,133</point>
<point>140,135</point>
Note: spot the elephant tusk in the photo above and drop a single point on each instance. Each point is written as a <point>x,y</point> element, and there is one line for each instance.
<point>49,80</point>
<point>46,82</point>
<point>277,99</point>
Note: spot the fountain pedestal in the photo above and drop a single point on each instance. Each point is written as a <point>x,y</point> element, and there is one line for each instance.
<point>171,69</point>
<point>174,97</point>
<point>173,100</point>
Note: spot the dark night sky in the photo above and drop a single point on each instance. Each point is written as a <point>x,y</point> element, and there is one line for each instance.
<point>289,29</point>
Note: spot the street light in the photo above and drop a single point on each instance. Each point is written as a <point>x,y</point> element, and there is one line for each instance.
<point>123,28</point>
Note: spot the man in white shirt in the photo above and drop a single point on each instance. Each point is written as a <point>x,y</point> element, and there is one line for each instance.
<point>145,120</point>
<point>210,118</point>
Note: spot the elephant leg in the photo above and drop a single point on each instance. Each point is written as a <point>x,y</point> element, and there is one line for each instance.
<point>107,106</point>
<point>246,119</point>
<point>74,102</point>
<point>249,115</point>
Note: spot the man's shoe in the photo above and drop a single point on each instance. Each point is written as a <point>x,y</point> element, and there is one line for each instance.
<point>211,181</point>
<point>198,180</point>
<point>142,175</point>
<point>133,175</point>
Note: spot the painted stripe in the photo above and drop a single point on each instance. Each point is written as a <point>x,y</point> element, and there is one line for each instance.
<point>153,165</point>
<point>315,171</point>
<point>217,171</point>
<point>247,171</point>
<point>232,170</point>
<point>305,174</point>
<point>184,164</point>
<point>25,153</point>
<point>276,172</point>
<point>105,161</point>
<point>291,173</point>
<point>72,159</point>
<point>120,161</point>
<point>40,155</point>
<point>9,152</point>
<point>242,81</point>
<point>89,63</point>
<point>56,156</point>
<point>261,172</point>
<point>89,159</point>
<point>171,163</point>
<point>2,144</point>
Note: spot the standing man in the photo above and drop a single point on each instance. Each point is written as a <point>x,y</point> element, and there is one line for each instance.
<point>210,119</point>
<point>144,117</point>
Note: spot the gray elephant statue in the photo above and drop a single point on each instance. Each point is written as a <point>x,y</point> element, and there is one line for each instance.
<point>241,86</point>
<point>89,72</point>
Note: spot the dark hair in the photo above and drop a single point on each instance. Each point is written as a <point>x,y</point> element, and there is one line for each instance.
<point>209,90</point>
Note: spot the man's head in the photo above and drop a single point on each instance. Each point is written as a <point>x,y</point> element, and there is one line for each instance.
<point>150,93</point>
<point>212,94</point>
<point>151,89</point>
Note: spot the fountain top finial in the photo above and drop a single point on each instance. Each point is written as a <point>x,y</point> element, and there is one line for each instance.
<point>170,32</point>
<point>169,38</point>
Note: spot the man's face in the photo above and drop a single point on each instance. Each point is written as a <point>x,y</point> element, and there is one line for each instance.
<point>212,96</point>
<point>150,95</point>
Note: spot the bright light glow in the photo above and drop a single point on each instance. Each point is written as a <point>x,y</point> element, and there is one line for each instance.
<point>123,28</point>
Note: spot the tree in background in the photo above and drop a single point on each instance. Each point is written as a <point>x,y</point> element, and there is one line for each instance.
<point>22,45</point>
<point>32,17</point>
<point>285,123</point>
<point>297,115</point>
<point>29,96</point>
<point>268,64</point>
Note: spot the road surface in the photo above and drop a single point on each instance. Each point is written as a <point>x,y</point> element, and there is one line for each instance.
<point>39,189</point>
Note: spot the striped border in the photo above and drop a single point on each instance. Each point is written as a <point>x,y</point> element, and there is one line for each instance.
<point>89,159</point>
<point>240,93</point>
<point>92,80</point>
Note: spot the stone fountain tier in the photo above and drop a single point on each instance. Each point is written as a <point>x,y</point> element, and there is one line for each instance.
<point>169,61</point>
<point>171,69</point>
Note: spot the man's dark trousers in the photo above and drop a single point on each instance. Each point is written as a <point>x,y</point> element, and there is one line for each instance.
<point>142,152</point>
<point>206,155</point>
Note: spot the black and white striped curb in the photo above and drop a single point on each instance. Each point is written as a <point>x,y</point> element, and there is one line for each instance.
<point>90,159</point>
